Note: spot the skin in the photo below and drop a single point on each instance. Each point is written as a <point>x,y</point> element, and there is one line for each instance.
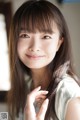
<point>30,110</point>
<point>73,109</point>
<point>36,51</point>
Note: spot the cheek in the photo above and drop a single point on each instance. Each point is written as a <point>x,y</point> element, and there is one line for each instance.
<point>51,48</point>
<point>21,46</point>
<point>20,50</point>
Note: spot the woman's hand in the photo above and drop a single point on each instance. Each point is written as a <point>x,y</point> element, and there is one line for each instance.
<point>36,95</point>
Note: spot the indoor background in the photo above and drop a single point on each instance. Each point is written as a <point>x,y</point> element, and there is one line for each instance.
<point>71,12</point>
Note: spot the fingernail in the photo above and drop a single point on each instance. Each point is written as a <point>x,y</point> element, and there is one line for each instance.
<point>47,100</point>
<point>46,92</point>
<point>39,87</point>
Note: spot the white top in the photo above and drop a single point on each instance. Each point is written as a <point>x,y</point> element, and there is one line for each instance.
<point>66,90</point>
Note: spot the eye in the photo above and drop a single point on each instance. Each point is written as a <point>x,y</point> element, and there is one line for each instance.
<point>24,35</point>
<point>47,37</point>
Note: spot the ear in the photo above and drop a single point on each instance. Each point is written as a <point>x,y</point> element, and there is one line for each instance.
<point>59,43</point>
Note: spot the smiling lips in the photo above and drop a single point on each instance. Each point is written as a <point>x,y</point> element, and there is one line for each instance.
<point>34,57</point>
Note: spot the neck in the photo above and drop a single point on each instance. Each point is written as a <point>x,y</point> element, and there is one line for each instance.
<point>41,78</point>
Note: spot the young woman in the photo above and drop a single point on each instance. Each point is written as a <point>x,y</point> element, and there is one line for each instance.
<point>43,83</point>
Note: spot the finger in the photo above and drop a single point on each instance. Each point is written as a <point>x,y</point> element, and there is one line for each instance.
<point>31,99</point>
<point>29,113</point>
<point>41,97</point>
<point>43,109</point>
<point>36,89</point>
<point>36,93</point>
<point>31,96</point>
<point>41,94</point>
<point>30,110</point>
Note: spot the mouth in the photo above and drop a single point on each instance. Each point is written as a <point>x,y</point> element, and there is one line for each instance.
<point>35,57</point>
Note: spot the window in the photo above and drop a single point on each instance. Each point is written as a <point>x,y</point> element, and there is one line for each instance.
<point>5,18</point>
<point>4,62</point>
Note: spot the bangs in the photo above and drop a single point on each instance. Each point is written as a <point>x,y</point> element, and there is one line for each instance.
<point>36,19</point>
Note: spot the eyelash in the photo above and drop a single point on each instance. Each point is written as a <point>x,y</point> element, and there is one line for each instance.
<point>47,37</point>
<point>24,36</point>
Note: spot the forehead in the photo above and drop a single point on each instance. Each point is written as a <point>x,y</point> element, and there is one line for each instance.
<point>45,28</point>
<point>37,17</point>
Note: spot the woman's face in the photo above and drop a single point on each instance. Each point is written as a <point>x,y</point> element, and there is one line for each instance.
<point>37,50</point>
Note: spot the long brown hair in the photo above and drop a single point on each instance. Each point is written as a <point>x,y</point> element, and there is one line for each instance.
<point>36,15</point>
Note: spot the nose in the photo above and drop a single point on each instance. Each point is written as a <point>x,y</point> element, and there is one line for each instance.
<point>34,46</point>
<point>33,50</point>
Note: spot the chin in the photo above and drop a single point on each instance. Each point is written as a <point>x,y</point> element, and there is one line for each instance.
<point>35,66</point>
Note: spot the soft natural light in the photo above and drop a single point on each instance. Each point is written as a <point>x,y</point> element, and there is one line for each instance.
<point>4,61</point>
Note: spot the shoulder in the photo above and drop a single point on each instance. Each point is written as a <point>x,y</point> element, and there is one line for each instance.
<point>73,109</point>
<point>69,86</point>
<point>67,89</point>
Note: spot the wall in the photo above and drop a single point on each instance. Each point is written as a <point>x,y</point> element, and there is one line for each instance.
<point>72,15</point>
<point>71,12</point>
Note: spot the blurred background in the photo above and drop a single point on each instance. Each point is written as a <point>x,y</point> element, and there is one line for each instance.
<point>71,12</point>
